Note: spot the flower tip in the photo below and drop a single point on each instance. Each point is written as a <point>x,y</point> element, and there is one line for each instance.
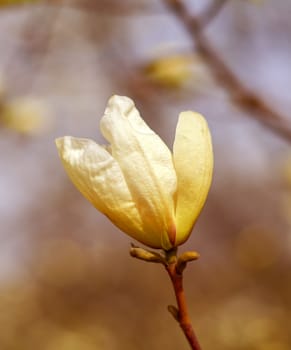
<point>64,145</point>
<point>60,143</point>
<point>190,114</point>
<point>124,103</point>
<point>117,98</point>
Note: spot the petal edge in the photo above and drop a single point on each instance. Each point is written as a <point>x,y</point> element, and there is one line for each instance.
<point>193,160</point>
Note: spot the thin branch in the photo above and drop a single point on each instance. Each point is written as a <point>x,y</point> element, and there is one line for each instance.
<point>175,266</point>
<point>181,312</point>
<point>211,12</point>
<point>241,95</point>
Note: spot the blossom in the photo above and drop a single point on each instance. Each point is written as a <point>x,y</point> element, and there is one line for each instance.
<point>170,71</point>
<point>152,195</point>
<point>26,115</point>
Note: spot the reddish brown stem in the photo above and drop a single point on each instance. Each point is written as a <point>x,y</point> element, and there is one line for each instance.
<point>182,315</point>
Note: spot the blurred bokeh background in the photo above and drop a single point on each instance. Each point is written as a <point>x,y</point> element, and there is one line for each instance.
<point>66,279</point>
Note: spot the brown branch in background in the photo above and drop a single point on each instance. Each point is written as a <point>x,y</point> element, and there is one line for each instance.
<point>210,13</point>
<point>241,95</point>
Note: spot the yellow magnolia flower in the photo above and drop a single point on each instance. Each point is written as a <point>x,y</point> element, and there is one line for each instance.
<point>149,193</point>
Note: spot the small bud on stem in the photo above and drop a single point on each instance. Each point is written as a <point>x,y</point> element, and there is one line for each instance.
<point>175,267</point>
<point>146,255</point>
<point>184,259</point>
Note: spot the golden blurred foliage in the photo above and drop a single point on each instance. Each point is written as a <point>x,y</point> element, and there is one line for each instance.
<point>54,309</point>
<point>256,248</point>
<point>63,263</point>
<point>172,71</point>
<point>70,301</point>
<point>246,323</point>
<point>286,195</point>
<point>16,2</point>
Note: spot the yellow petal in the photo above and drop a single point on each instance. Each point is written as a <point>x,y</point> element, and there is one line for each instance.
<point>193,159</point>
<point>147,166</point>
<point>98,177</point>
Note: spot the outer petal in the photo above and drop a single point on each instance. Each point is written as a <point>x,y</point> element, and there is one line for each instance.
<point>98,177</point>
<point>146,163</point>
<point>193,159</point>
